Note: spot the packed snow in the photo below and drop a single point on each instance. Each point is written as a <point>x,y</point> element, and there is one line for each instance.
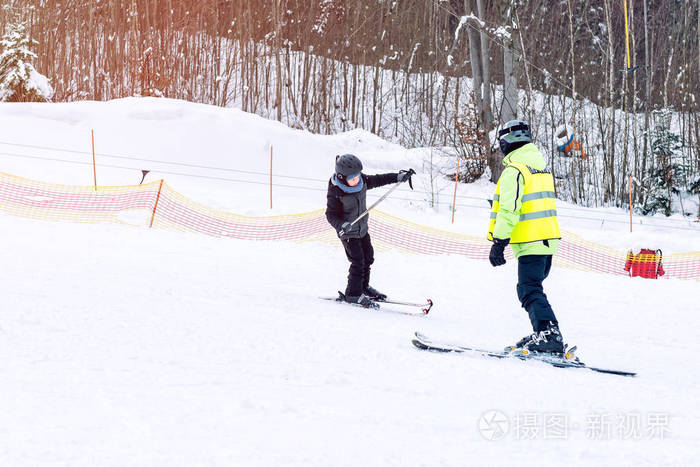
<point>129,346</point>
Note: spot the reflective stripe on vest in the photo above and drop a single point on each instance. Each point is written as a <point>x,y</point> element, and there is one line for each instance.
<point>538,215</point>
<point>538,195</point>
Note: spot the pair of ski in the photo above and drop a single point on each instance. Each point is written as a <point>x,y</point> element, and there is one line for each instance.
<point>422,342</point>
<point>425,343</point>
<point>377,304</point>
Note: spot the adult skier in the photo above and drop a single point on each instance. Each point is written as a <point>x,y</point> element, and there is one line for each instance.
<point>524,215</point>
<point>345,201</point>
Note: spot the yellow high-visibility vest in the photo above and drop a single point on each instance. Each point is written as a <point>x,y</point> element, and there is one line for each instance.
<point>538,212</point>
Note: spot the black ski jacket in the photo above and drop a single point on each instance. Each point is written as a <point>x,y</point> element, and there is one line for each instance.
<point>344,207</point>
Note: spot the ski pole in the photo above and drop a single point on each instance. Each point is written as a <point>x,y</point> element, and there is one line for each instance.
<point>410,172</point>
<point>342,232</point>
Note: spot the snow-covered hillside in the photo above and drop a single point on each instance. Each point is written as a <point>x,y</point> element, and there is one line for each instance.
<point>128,346</point>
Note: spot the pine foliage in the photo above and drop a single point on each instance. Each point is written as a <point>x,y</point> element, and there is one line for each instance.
<point>19,81</point>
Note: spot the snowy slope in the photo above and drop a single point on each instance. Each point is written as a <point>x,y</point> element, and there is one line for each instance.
<point>126,346</point>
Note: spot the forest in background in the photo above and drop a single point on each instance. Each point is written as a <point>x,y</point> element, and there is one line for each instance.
<point>433,73</point>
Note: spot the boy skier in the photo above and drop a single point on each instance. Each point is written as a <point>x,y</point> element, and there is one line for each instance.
<point>345,201</point>
<point>524,215</point>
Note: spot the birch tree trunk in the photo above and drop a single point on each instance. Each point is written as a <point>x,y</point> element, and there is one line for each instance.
<point>510,59</point>
<point>573,98</point>
<point>485,111</point>
<point>610,150</point>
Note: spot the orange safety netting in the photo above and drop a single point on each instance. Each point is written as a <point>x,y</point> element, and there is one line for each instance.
<point>158,205</point>
<point>48,201</point>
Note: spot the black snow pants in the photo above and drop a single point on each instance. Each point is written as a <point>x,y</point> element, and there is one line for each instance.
<point>532,270</point>
<point>360,253</point>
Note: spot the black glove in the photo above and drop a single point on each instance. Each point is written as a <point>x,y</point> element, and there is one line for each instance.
<point>496,255</point>
<point>405,175</point>
<point>345,229</point>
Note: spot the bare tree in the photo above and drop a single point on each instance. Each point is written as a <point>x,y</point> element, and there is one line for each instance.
<point>511,53</point>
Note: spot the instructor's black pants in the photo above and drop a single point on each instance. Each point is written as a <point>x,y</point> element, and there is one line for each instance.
<point>361,256</point>
<point>532,270</point>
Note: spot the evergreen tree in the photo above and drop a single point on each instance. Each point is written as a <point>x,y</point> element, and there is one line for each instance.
<point>670,175</point>
<point>19,81</point>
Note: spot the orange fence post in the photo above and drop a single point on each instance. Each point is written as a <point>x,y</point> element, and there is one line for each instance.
<point>454,198</point>
<point>630,184</point>
<point>155,206</point>
<point>270,176</point>
<point>94,168</point>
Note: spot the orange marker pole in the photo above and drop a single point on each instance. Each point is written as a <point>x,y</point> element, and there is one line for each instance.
<point>270,176</point>
<point>630,184</point>
<point>454,198</point>
<point>94,168</point>
<point>155,206</point>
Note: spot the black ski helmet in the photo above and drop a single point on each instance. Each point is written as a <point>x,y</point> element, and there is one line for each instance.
<point>346,166</point>
<point>514,134</point>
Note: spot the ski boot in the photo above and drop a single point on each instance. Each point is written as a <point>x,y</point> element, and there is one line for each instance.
<point>363,300</point>
<point>374,294</point>
<point>549,341</point>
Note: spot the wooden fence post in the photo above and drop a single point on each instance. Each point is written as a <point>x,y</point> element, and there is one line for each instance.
<point>155,206</point>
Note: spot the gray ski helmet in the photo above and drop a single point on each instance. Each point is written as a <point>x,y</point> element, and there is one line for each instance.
<point>514,134</point>
<point>347,165</point>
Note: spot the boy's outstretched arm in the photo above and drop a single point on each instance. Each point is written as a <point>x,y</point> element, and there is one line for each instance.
<point>375,181</point>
